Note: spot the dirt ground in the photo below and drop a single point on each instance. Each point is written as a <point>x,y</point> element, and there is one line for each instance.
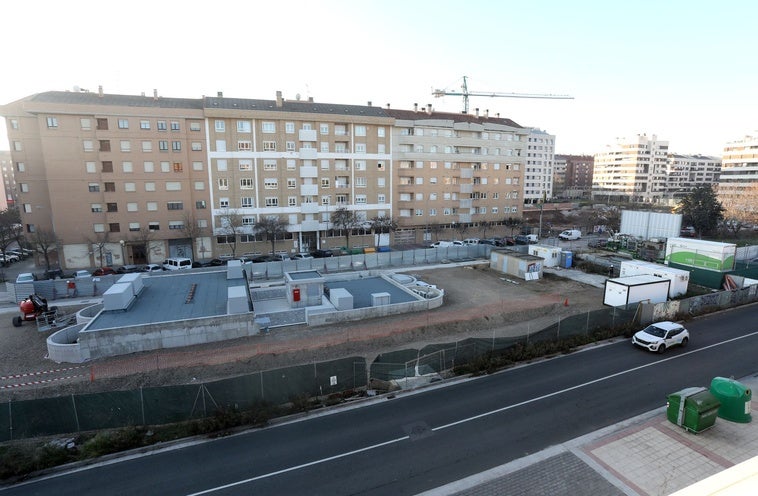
<point>478,302</point>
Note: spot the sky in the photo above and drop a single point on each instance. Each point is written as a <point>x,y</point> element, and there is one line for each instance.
<point>684,71</point>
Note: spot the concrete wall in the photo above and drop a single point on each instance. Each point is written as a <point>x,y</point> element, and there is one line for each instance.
<point>697,305</point>
<point>317,319</point>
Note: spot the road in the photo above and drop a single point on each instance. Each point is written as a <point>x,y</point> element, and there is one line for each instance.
<point>419,441</point>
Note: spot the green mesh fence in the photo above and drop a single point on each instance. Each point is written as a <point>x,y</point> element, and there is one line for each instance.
<point>41,417</point>
<point>236,393</point>
<point>108,410</point>
<point>168,404</point>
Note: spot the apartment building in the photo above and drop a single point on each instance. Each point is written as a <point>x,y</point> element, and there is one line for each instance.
<point>577,180</point>
<point>632,169</point>
<point>9,181</point>
<point>455,172</point>
<point>739,168</point>
<point>540,157</point>
<point>685,172</point>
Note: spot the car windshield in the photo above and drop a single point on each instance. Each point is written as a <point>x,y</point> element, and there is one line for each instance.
<point>655,331</point>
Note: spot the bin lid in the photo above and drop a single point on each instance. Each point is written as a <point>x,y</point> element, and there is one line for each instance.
<point>686,393</point>
<point>729,388</point>
<point>703,401</point>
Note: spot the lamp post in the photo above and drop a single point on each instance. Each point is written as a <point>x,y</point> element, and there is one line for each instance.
<point>123,256</point>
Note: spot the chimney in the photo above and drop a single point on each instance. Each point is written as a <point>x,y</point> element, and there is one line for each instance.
<point>415,107</point>
<point>498,115</point>
<point>487,114</point>
<point>279,101</point>
<point>429,108</point>
<point>369,103</point>
<point>388,106</point>
<point>155,93</point>
<point>100,91</point>
<point>477,111</point>
<point>220,94</point>
<point>310,99</point>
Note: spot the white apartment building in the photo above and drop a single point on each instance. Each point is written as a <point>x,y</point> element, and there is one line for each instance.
<point>540,159</point>
<point>685,172</point>
<point>739,167</point>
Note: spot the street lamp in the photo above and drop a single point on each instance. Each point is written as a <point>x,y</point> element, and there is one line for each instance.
<point>123,258</point>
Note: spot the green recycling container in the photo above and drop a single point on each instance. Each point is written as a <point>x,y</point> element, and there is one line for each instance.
<point>734,397</point>
<point>693,408</point>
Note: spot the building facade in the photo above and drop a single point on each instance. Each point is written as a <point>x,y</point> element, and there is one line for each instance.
<point>739,168</point>
<point>577,180</point>
<point>685,172</point>
<point>540,157</point>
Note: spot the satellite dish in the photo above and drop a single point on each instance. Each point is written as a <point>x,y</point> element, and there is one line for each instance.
<point>297,97</point>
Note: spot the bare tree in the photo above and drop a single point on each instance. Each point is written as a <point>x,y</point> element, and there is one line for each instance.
<point>231,226</point>
<point>8,227</point>
<point>192,230</point>
<point>741,210</point>
<point>485,225</point>
<point>435,228</point>
<point>383,224</point>
<point>99,242</point>
<point>513,223</point>
<point>272,228</point>
<point>460,228</point>
<point>346,220</point>
<point>43,242</point>
<point>142,238</point>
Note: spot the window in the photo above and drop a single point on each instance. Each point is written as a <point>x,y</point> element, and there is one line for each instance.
<point>360,165</point>
<point>246,165</point>
<point>381,182</point>
<point>269,165</point>
<point>149,166</point>
<point>154,226</point>
<point>177,167</point>
<point>112,207</point>
<point>98,228</point>
<point>152,206</point>
<point>86,124</point>
<point>147,146</point>
<point>326,200</point>
<point>162,126</point>
<point>175,224</point>
<point>144,125</point>
<point>163,145</point>
<point>291,183</point>
<point>272,201</point>
<point>360,182</point>
<point>360,148</point>
<point>225,239</point>
<point>269,146</point>
<point>90,167</point>
<point>197,166</point>
<point>243,127</point>
<point>324,146</point>
<point>165,166</point>
<point>324,182</point>
<point>221,165</point>
<point>134,226</point>
<point>381,198</point>
<point>105,145</point>
<point>52,122</point>
<point>107,166</point>
<point>360,199</point>
<point>244,145</point>
<point>114,227</point>
<point>220,126</point>
<point>130,187</point>
<point>175,205</point>
<point>270,183</point>
<point>132,207</point>
<point>290,146</point>
<point>380,132</point>
<point>94,187</point>
<point>149,186</point>
<point>200,204</point>
<point>247,183</point>
<point>223,183</point>
<point>246,202</point>
<point>96,207</point>
<point>199,186</point>
<point>175,126</point>
<point>126,146</point>
<point>123,124</point>
<point>176,146</point>
<point>102,124</point>
<point>360,130</point>
<point>197,146</point>
<point>173,186</point>
<point>268,127</point>
<point>289,127</point>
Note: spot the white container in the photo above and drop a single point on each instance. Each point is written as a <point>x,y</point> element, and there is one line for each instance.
<point>649,225</point>
<point>551,254</point>
<point>700,254</point>
<point>679,278</point>
<point>624,291</point>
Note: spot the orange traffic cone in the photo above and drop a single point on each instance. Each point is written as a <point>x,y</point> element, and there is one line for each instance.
<point>566,302</point>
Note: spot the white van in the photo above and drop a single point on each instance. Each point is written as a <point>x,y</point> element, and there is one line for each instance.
<point>177,263</point>
<point>570,234</point>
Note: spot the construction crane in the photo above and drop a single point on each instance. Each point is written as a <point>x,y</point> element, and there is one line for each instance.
<point>465,93</point>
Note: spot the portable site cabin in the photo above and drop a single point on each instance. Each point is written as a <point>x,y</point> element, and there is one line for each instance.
<point>624,291</point>
<point>679,278</point>
<point>551,254</point>
<point>521,265</point>
<point>701,254</point>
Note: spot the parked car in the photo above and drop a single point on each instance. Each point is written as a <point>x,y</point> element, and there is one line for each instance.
<point>25,277</point>
<point>215,262</point>
<point>446,244</point>
<point>322,253</point>
<point>128,269</point>
<point>20,254</point>
<point>10,257</point>
<point>153,268</point>
<point>302,256</point>
<point>661,335</point>
<point>177,263</point>
<point>508,240</point>
<point>471,241</point>
<point>57,273</point>
<point>103,271</point>
<point>521,239</point>
<point>82,274</point>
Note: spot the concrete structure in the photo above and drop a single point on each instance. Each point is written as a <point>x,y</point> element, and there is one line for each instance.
<point>624,291</point>
<point>540,157</point>
<point>680,279</point>
<point>521,265</point>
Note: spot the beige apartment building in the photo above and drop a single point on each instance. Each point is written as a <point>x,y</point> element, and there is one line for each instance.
<point>125,179</point>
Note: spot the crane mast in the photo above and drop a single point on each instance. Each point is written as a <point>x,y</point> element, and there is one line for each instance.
<point>465,93</point>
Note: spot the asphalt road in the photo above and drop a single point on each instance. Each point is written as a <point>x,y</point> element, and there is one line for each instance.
<point>420,441</point>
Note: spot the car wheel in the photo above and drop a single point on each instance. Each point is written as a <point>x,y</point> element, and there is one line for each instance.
<point>661,348</point>
<point>17,321</point>
<point>684,342</point>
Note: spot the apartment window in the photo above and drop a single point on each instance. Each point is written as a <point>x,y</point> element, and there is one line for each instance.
<point>94,187</point>
<point>90,167</point>
<point>132,207</point>
<point>105,145</point>
<point>246,165</point>
<point>223,183</point>
<point>360,199</point>
<point>360,130</point>
<point>154,226</point>
<point>147,146</point>
<point>107,166</point>
<point>176,146</point>
<point>325,165</point>
<point>269,165</point>
<point>200,204</point>
<point>52,122</point>
<point>86,124</point>
<point>341,199</point>
<point>269,146</point>
<point>381,198</point>
<point>272,201</point>
<point>102,124</point>
<point>199,186</point>
<point>144,125</point>
<point>381,148</point>
<point>175,126</point>
<point>134,226</point>
<point>96,207</point>
<point>149,166</point>
<point>88,145</point>
<point>130,187</point>
<point>177,167</point>
<point>243,127</point>
<point>149,186</point>
<point>114,227</point>
<point>290,146</point>
<point>163,145</point>
<point>360,182</point>
<point>165,166</point>
<point>223,202</point>
<point>360,148</point>
<point>324,146</point>
<point>197,146</point>
<point>244,145</point>
<point>268,127</point>
<point>197,166</point>
<point>175,224</point>
<point>247,183</point>
<point>221,165</point>
<point>220,126</point>
<point>194,126</point>
<point>98,228</point>
<point>326,200</point>
<point>380,132</point>
<point>360,165</point>
<point>175,205</point>
<point>123,124</point>
<point>225,239</point>
<point>162,126</point>
<point>112,207</point>
<point>246,202</point>
<point>291,183</point>
<point>324,182</point>
<point>173,186</point>
<point>289,127</point>
<point>271,183</point>
<point>152,206</point>
<point>126,146</point>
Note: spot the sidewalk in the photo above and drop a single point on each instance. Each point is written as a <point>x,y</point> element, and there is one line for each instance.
<point>645,455</point>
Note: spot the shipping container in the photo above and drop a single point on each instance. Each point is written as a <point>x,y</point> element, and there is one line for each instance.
<point>709,255</point>
<point>624,291</point>
<point>680,279</point>
<point>650,225</point>
<point>551,254</point>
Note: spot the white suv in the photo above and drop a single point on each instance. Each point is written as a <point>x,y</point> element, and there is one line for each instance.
<point>661,335</point>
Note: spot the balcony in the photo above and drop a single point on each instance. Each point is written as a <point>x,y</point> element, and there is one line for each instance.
<point>309,208</point>
<point>308,153</point>
<point>307,135</point>
<point>467,173</point>
<point>467,188</point>
<point>308,171</point>
<point>309,190</point>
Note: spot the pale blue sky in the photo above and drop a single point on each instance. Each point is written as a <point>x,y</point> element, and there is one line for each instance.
<point>683,70</point>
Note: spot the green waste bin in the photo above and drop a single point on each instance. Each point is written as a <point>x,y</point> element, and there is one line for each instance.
<point>693,408</point>
<point>734,397</point>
